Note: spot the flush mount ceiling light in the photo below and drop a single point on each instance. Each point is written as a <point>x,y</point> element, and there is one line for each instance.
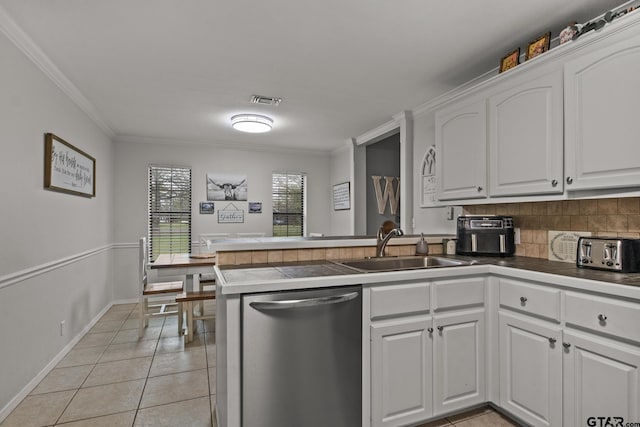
<point>252,123</point>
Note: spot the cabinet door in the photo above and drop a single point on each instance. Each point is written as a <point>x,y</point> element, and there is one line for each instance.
<point>461,144</point>
<point>601,379</point>
<point>531,370</point>
<point>526,137</point>
<point>401,362</point>
<point>459,362</point>
<point>601,117</point>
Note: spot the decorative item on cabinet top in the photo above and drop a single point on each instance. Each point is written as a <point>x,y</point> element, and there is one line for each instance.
<point>510,60</point>
<point>569,32</point>
<point>538,46</point>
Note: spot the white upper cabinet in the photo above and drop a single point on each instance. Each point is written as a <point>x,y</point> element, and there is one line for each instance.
<point>461,144</point>
<point>601,116</point>
<point>525,137</point>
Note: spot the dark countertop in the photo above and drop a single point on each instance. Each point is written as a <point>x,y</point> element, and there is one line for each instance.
<point>293,270</point>
<point>561,269</point>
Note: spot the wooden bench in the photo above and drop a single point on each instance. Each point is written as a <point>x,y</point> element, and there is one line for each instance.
<point>185,303</point>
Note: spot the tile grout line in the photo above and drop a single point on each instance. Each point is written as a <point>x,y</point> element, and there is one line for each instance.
<point>79,388</point>
<point>147,377</point>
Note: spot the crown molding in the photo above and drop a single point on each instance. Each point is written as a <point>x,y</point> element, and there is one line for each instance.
<point>378,133</point>
<point>28,47</point>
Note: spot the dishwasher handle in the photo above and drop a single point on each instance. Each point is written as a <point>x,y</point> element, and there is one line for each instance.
<point>303,303</point>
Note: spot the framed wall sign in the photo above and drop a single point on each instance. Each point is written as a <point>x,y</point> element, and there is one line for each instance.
<point>206,207</point>
<point>341,196</point>
<point>68,169</point>
<point>230,214</point>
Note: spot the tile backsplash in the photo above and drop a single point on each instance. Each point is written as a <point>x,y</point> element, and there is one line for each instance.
<point>603,217</point>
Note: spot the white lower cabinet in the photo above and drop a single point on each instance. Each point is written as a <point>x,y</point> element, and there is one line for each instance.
<point>566,358</point>
<point>401,363</point>
<point>601,379</point>
<point>531,370</point>
<point>459,357</point>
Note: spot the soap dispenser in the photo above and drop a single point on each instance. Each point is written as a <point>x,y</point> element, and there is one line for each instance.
<point>421,247</point>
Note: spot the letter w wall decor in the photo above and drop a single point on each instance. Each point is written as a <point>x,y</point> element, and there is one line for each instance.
<point>390,195</point>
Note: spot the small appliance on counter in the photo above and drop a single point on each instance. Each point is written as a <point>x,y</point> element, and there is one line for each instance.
<point>609,253</point>
<point>485,235</point>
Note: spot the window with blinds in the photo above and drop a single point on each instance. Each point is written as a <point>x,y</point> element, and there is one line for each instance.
<point>288,194</point>
<point>169,210</point>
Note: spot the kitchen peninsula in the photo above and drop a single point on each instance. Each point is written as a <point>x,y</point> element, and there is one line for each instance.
<point>483,333</point>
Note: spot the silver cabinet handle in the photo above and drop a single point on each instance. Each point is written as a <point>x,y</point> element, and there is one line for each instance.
<point>479,188</point>
<point>552,340</point>
<point>554,183</point>
<point>523,299</point>
<point>440,328</point>
<point>302,303</point>
<point>430,330</point>
<point>566,344</point>
<point>602,317</point>
<point>569,180</point>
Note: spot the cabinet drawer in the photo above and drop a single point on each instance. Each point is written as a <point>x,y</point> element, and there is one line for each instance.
<point>530,299</point>
<point>401,299</point>
<point>457,293</point>
<point>604,315</point>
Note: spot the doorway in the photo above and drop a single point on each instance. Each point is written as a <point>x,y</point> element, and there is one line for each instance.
<point>383,182</point>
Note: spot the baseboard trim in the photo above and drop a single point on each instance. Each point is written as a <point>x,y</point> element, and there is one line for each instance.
<point>13,403</point>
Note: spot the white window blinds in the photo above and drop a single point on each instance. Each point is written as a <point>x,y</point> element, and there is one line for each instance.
<point>288,194</point>
<point>169,210</point>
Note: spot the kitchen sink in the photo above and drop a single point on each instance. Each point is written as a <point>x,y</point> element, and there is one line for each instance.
<point>401,263</point>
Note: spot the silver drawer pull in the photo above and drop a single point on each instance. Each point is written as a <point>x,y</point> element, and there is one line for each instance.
<point>430,330</point>
<point>440,328</point>
<point>602,317</point>
<point>552,340</point>
<point>523,300</point>
<point>566,344</point>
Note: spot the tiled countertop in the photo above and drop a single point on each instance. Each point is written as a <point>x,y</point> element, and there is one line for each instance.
<point>269,277</point>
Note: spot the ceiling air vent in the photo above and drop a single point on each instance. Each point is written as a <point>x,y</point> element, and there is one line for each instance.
<point>265,100</point>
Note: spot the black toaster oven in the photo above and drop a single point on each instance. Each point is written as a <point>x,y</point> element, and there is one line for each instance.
<point>485,235</point>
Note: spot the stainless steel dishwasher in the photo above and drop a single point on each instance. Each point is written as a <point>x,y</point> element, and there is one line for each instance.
<point>302,358</point>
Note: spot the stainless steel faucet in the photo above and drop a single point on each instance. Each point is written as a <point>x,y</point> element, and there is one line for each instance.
<point>383,239</point>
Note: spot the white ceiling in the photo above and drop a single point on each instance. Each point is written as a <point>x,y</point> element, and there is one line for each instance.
<point>179,69</point>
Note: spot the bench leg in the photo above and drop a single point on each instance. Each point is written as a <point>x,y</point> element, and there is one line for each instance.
<point>180,316</point>
<point>189,321</point>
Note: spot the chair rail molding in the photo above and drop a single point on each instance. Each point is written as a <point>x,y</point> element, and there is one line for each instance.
<point>22,275</point>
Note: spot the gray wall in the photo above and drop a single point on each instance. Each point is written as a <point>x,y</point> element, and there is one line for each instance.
<point>383,159</point>
<point>56,257</point>
<point>132,160</point>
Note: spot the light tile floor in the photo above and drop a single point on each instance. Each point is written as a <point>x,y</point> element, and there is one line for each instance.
<point>480,417</point>
<point>112,378</point>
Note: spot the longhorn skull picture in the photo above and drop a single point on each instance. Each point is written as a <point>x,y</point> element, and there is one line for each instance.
<point>226,187</point>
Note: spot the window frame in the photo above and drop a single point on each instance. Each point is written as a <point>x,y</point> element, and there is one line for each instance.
<point>303,209</point>
<point>179,241</point>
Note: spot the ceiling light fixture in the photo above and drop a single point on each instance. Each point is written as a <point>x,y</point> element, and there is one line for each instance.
<point>252,123</point>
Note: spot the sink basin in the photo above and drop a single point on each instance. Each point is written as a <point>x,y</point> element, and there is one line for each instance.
<point>401,263</point>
